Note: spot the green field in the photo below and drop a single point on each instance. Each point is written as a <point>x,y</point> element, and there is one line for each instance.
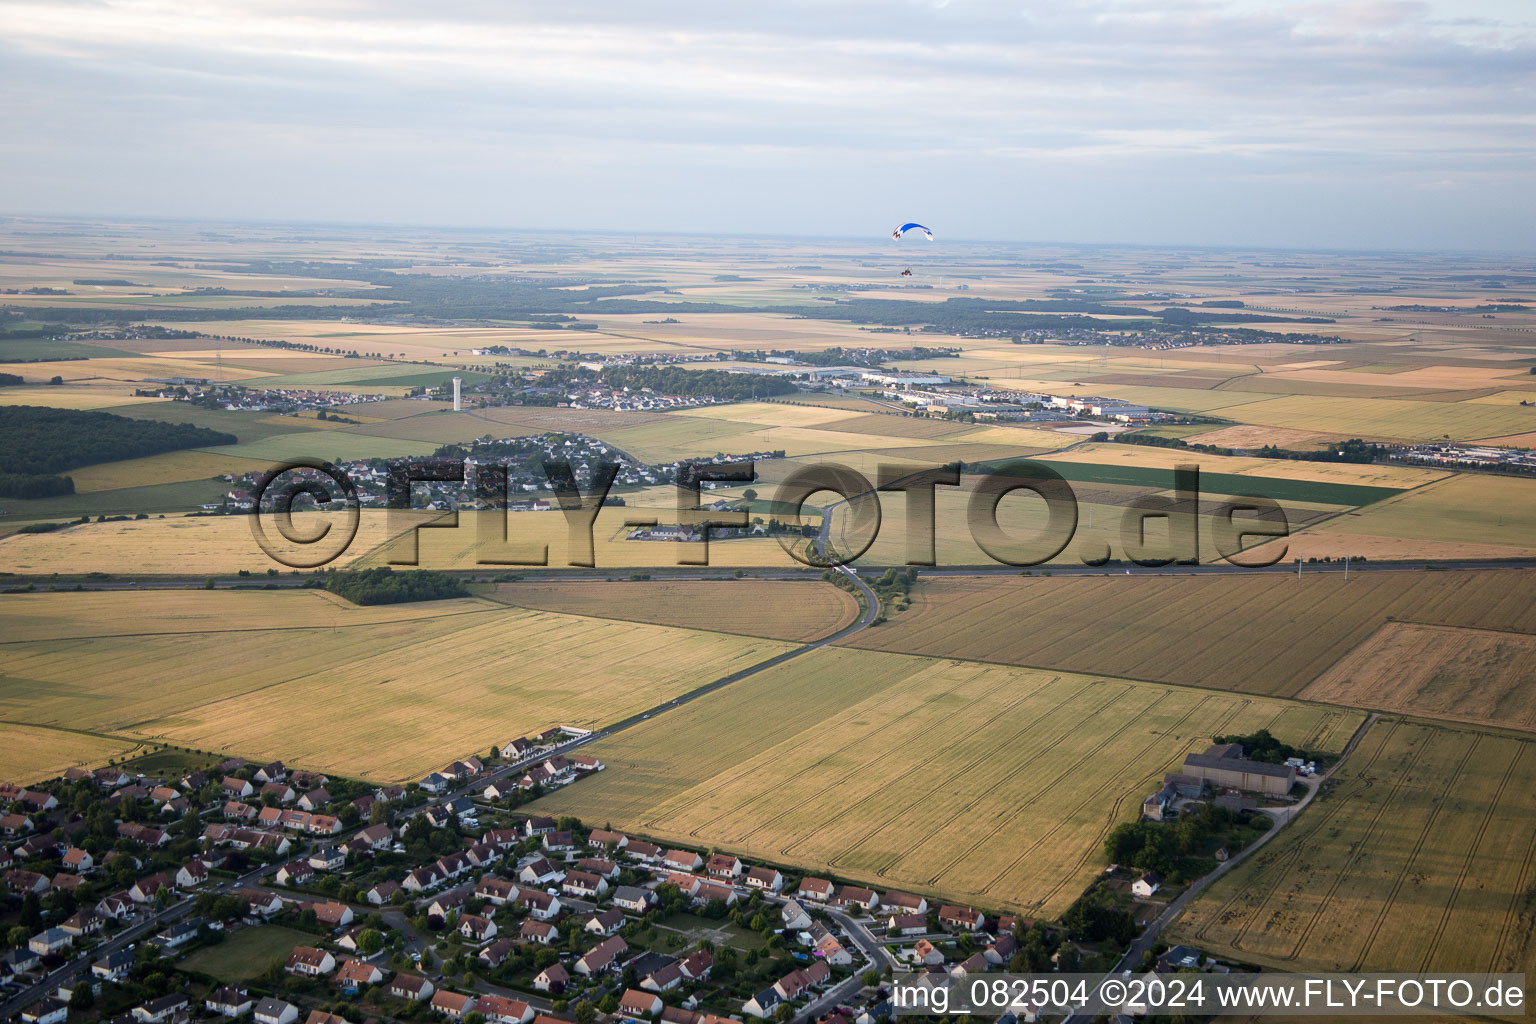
<point>992,786</point>
<point>247,953</point>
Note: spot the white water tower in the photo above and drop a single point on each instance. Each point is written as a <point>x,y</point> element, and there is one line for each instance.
<point>458,401</point>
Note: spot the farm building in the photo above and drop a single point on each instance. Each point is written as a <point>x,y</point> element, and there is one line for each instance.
<point>1223,765</point>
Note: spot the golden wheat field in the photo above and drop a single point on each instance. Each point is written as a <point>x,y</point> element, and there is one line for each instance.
<point>988,785</point>
<point>1462,675</point>
<point>388,697</point>
<point>1420,856</point>
<point>781,610</point>
<point>1262,633</point>
<point>30,754</point>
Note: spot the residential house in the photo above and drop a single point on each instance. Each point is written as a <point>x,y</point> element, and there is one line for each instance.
<point>376,837</point>
<point>50,940</point>
<point>118,906</point>
<point>856,896</point>
<point>145,889</point>
<point>328,858</point>
<point>976,963</point>
<point>601,957</point>
<point>279,791</point>
<point>479,929</point>
<point>598,866</point>
<point>925,952</point>
<point>540,872</point>
<point>818,889</point>
<point>539,826</point>
<point>904,902</point>
<point>683,860</point>
<point>20,880</point>
<point>453,1005</point>
<point>1003,950</point>
<point>767,879</point>
<point>159,1011</point>
<point>501,1010</point>
<point>410,987</point>
<point>663,979</point>
<point>82,923</point>
<point>764,1003</point>
<point>639,1005</point>
<point>794,916</point>
<point>723,866</point>
<point>332,914</point>
<point>633,898</point>
<point>583,884</point>
<point>1147,884</point>
<point>961,919</point>
<point>603,839</point>
<point>114,966</point>
<point>552,979</point>
<point>237,789</point>
<point>77,860</point>
<point>541,905</point>
<point>493,955</point>
<point>275,1011</point>
<point>192,874</point>
<point>907,924</point>
<point>296,872</point>
<point>228,1001</point>
<point>696,966</point>
<point>47,1011</point>
<point>314,799</point>
<point>434,783</point>
<point>606,923</point>
<point>310,962</point>
<point>559,842</point>
<point>540,932</point>
<point>353,974</point>
<point>496,891</point>
<point>708,891</point>
<point>645,853</point>
<point>380,894</point>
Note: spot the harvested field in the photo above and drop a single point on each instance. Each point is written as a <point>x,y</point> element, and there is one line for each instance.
<point>1266,633</point>
<point>106,613</point>
<point>1462,675</point>
<point>986,785</point>
<point>383,700</point>
<point>799,612</point>
<point>169,467</point>
<point>29,754</point>
<point>1421,856</point>
<point>1245,436</point>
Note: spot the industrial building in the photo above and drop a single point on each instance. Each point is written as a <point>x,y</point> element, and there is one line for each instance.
<point>1224,766</point>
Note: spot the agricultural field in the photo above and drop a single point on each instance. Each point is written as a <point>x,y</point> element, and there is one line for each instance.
<point>988,785</point>
<point>31,754</point>
<point>1269,634</point>
<point>1465,515</point>
<point>1454,674</point>
<point>1420,855</point>
<point>378,697</point>
<point>795,611</point>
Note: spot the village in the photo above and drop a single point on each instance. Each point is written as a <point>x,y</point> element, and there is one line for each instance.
<point>268,893</point>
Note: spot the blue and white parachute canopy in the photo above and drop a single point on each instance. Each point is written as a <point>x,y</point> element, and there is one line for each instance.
<point>911,227</point>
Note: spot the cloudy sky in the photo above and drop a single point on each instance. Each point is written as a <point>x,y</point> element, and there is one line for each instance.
<point>1326,123</point>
